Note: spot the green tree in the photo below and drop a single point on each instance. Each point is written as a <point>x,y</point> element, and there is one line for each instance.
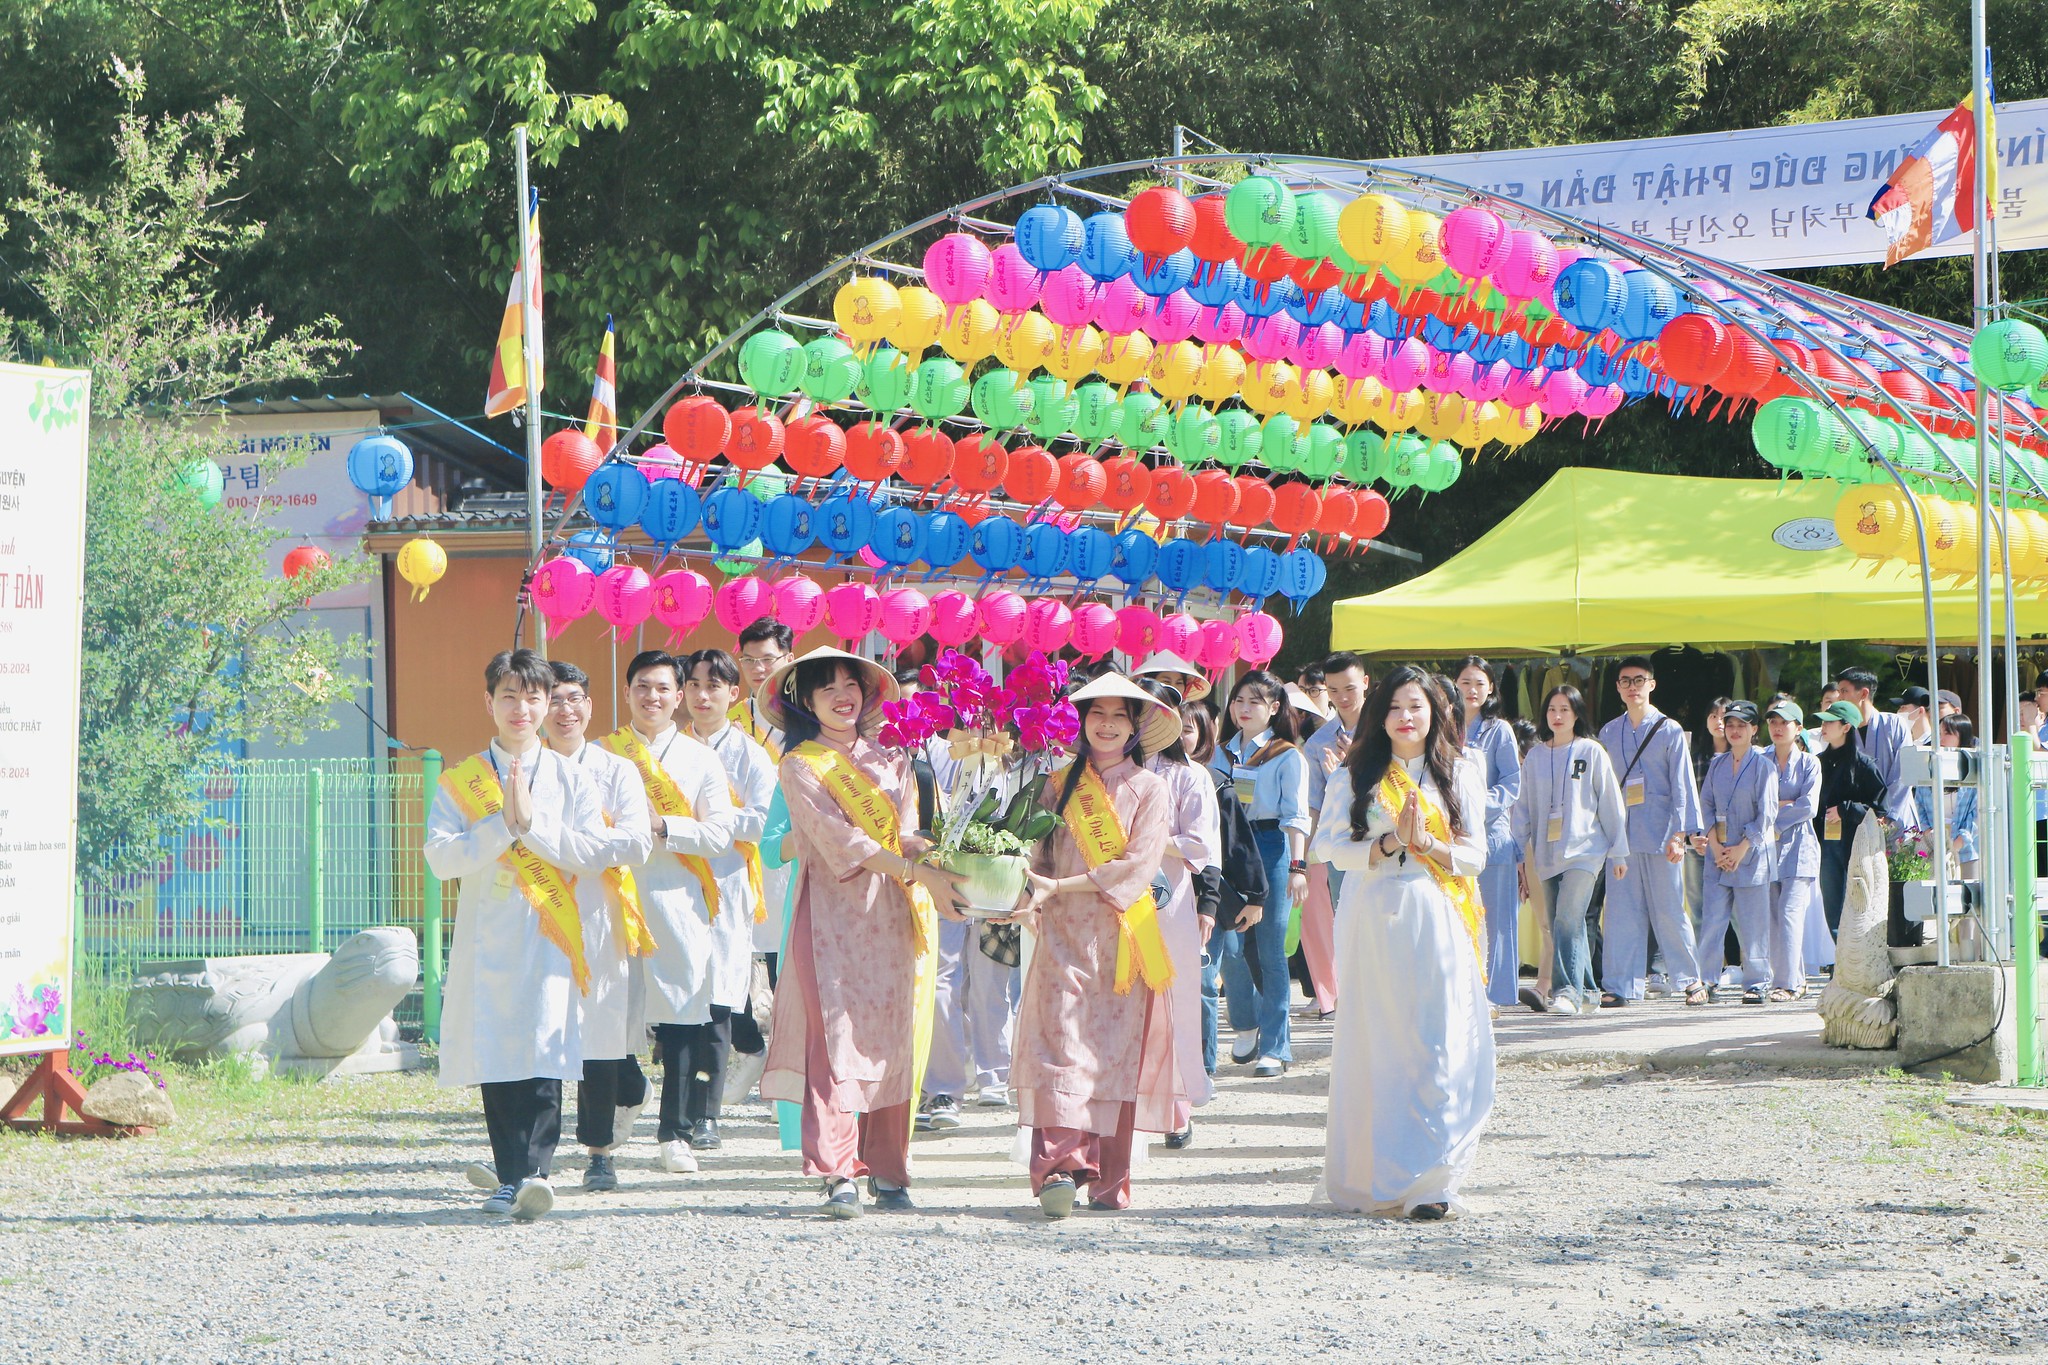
<point>188,641</point>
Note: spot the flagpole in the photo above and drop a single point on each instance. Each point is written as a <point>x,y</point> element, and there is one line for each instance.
<point>1981,312</point>
<point>530,349</point>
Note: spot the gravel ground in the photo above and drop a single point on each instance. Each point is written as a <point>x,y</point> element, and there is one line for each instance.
<point>1670,1217</point>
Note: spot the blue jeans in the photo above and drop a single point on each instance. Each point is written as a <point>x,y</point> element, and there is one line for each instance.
<point>1212,988</point>
<point>1266,1010</point>
<point>1567,894</point>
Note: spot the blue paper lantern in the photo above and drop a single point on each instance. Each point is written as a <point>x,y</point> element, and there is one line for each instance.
<point>1180,564</point>
<point>1257,299</point>
<point>1600,367</point>
<point>1223,565</point>
<point>1106,250</point>
<point>1136,556</point>
<point>1590,295</point>
<point>380,465</point>
<point>1045,550</point>
<point>615,495</point>
<point>1089,553</point>
<point>1050,237</point>
<point>1261,576</point>
<point>995,544</point>
<point>732,517</point>
<point>1648,303</point>
<point>1302,576</point>
<point>671,512</point>
<point>844,524</point>
<point>592,546</point>
<point>1317,309</point>
<point>897,536</point>
<point>1218,287</point>
<point>945,539</point>
<point>788,526</point>
<point>1382,320</point>
<point>1167,275</point>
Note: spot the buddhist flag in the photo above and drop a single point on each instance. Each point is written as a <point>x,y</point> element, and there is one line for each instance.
<point>603,426</point>
<point>1928,200</point>
<point>508,361</point>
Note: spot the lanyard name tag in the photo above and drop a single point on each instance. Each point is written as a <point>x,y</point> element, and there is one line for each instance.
<point>1831,827</point>
<point>1247,780</point>
<point>1633,793</point>
<point>1555,829</point>
<point>1721,831</point>
<point>504,880</point>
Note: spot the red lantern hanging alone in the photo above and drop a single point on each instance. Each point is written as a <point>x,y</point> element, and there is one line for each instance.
<point>1033,475</point>
<point>1172,493</point>
<point>979,463</point>
<point>814,446</point>
<point>1215,497</point>
<point>1295,508</point>
<point>567,458</point>
<point>696,429</point>
<point>927,457</point>
<point>873,452</point>
<point>756,438</point>
<point>1126,482</point>
<point>304,559</point>
<point>1081,481</point>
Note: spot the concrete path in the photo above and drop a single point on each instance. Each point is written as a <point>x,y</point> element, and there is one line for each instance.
<point>1668,1034</point>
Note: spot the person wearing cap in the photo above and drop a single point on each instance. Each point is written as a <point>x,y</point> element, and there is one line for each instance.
<point>1095,1059</point>
<point>1345,676</point>
<point>1882,738</point>
<point>1795,893</point>
<point>1850,789</point>
<point>1739,806</point>
<point>1947,703</point>
<point>1654,766</point>
<point>1812,739</point>
<point>1911,707</point>
<point>865,916</point>
<point>1412,1055</point>
<point>1489,739</point>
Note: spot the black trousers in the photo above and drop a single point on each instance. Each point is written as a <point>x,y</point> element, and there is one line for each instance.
<point>524,1119</point>
<point>605,1087</point>
<point>692,1070</point>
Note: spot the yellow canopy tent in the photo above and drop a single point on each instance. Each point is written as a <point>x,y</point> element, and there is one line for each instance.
<point>1600,561</point>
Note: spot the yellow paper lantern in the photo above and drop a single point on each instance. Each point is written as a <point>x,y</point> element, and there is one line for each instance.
<point>1402,410</point>
<point>920,318</point>
<point>1174,371</point>
<point>1516,427</point>
<point>1310,396</point>
<point>1222,374</point>
<point>970,333</point>
<point>1265,387</point>
<point>2029,546</point>
<point>421,563</point>
<point>1374,229</point>
<point>1076,351</point>
<point>1477,427</point>
<point>1026,342</point>
<point>1358,400</point>
<point>1441,415</point>
<point>1951,538</point>
<point>1421,256</point>
<point>1872,520</point>
<point>866,309</point>
<point>1124,358</point>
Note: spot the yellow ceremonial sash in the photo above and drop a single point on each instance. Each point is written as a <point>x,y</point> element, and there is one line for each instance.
<point>1091,819</point>
<point>742,715</point>
<point>750,854</point>
<point>668,799</point>
<point>622,894</point>
<point>876,815</point>
<point>473,785</point>
<point>1462,891</point>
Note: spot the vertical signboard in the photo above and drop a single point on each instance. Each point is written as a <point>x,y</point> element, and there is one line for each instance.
<point>42,571</point>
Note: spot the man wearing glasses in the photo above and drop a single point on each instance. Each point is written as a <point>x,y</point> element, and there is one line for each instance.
<point>1650,755</point>
<point>763,647</point>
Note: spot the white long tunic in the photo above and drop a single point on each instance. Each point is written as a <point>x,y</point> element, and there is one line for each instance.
<point>1194,841</point>
<point>1411,1066</point>
<point>615,1010</point>
<point>679,973</point>
<point>750,774</point>
<point>511,1010</point>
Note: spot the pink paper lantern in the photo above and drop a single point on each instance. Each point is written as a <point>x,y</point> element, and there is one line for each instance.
<point>1258,638</point>
<point>1318,347</point>
<point>1220,326</point>
<point>1562,393</point>
<point>1361,357</point>
<point>1095,629</point>
<point>1407,360</point>
<point>1448,372</point>
<point>661,462</point>
<point>1012,281</point>
<point>682,599</point>
<point>1217,647</point>
<point>564,590</point>
<point>1270,339</point>
<point>1137,631</point>
<point>1002,616</point>
<point>953,618</point>
<point>1471,238</point>
<point>625,596</point>
<point>1524,387</point>
<point>1069,297</point>
<point>740,602</point>
<point>906,614</point>
<point>1123,307</point>
<point>851,610</point>
<point>799,603</point>
<point>1173,318</point>
<point>1047,624</point>
<point>1601,400</point>
<point>956,268</point>
<point>1180,634</point>
<point>1488,382</point>
<point>1527,267</point>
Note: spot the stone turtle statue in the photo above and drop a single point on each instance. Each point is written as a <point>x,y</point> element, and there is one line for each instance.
<point>309,1013</point>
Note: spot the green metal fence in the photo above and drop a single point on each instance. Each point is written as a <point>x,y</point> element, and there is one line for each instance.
<point>290,856</point>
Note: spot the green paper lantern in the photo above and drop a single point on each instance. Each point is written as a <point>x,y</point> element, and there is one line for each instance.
<point>1404,452</point>
<point>2010,354</point>
<point>1259,210</point>
<point>1280,444</point>
<point>1783,429</point>
<point>1052,408</point>
<point>1194,436</point>
<point>938,388</point>
<point>768,483</point>
<point>742,561</point>
<point>1441,470</point>
<point>885,381</point>
<point>771,363</point>
<point>1144,423</point>
<point>1098,413</point>
<point>1365,456</point>
<point>1002,399</point>
<point>202,478</point>
<point>1313,233</point>
<point>1324,451</point>
<point>1238,437</point>
<point>831,371</point>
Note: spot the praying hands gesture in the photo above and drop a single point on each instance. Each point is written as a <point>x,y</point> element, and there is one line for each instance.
<point>518,807</point>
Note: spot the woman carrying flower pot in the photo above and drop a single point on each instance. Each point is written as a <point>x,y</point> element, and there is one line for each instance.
<point>1094,1058</point>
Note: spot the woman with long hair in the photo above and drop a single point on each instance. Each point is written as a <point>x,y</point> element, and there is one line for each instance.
<point>865,911</point>
<point>1491,743</point>
<point>1411,1063</point>
<point>1570,823</point>
<point>1265,761</point>
<point>1095,1058</point>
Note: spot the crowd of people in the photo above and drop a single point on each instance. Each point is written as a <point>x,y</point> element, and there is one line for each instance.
<point>743,872</point>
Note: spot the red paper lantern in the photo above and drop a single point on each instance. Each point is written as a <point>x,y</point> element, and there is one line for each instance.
<point>1254,501</point>
<point>1033,475</point>
<point>567,458</point>
<point>696,429</point>
<point>1370,514</point>
<point>304,559</point>
<point>1126,482</point>
<point>1172,493</point>
<point>1269,263</point>
<point>927,457</point>
<point>1315,276</point>
<point>1081,481</point>
<point>1694,349</point>
<point>1215,497</point>
<point>815,446</point>
<point>1906,386</point>
<point>1751,366</point>
<point>1212,239</point>
<point>1832,369</point>
<point>1160,221</point>
<point>756,438</point>
<point>1295,508</point>
<point>873,452</point>
<point>979,463</point>
<point>1340,509</point>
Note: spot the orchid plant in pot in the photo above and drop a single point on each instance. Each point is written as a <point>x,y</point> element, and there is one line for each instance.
<point>1002,740</point>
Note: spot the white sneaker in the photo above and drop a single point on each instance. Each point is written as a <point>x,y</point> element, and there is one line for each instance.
<point>1562,1003</point>
<point>994,1097</point>
<point>481,1176</point>
<point>677,1158</point>
<point>623,1119</point>
<point>1246,1049</point>
<point>534,1199</point>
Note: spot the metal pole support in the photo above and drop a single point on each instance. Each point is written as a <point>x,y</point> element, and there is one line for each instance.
<point>430,908</point>
<point>316,861</point>
<point>2026,916</point>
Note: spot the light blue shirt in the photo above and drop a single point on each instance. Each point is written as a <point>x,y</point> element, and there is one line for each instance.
<point>1491,745</point>
<point>1744,801</point>
<point>1279,785</point>
<point>1798,804</point>
<point>1319,744</point>
<point>1671,801</point>
<point>1883,738</point>
<point>1962,819</point>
